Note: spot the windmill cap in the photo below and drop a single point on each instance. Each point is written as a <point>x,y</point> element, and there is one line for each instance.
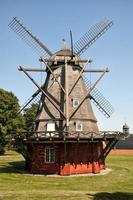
<point>59,57</point>
<point>64,52</point>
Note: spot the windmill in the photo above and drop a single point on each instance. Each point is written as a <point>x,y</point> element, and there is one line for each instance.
<point>65,138</point>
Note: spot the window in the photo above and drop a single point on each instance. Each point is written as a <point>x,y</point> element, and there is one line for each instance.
<point>75,102</point>
<point>50,129</point>
<point>49,155</point>
<point>79,126</point>
<point>50,126</point>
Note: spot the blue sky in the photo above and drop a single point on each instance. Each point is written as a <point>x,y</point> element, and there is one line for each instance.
<point>51,21</point>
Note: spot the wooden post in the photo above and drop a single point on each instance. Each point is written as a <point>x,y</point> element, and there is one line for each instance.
<point>49,98</point>
<point>53,75</point>
<point>83,70</point>
<point>65,151</point>
<point>96,70</point>
<point>76,81</point>
<point>67,98</point>
<point>32,69</point>
<point>82,101</point>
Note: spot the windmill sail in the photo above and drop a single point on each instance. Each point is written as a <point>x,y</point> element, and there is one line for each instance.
<point>99,100</point>
<point>35,98</point>
<point>30,39</point>
<point>91,36</point>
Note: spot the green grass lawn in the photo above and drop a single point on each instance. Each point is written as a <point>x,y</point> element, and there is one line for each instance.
<point>117,185</point>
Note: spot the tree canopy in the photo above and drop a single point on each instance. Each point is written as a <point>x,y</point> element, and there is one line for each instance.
<point>12,123</point>
<point>10,120</point>
<point>29,116</point>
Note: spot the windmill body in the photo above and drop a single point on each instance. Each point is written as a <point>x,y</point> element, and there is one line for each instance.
<point>47,113</point>
<point>65,138</point>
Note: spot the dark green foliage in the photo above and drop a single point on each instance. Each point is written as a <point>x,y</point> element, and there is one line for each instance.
<point>29,116</point>
<point>2,144</point>
<point>13,125</point>
<point>10,121</point>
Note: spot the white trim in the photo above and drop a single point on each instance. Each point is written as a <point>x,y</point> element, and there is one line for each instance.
<point>51,126</point>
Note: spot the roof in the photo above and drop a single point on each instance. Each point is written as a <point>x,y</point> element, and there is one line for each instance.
<point>64,52</point>
<point>125,144</point>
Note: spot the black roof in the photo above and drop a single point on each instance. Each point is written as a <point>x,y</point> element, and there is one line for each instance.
<point>125,144</point>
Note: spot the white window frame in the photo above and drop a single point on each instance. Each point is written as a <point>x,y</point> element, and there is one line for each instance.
<point>75,105</point>
<point>50,129</point>
<point>50,126</point>
<point>77,126</point>
<point>49,157</point>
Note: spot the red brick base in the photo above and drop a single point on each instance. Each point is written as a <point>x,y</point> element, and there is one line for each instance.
<point>70,158</point>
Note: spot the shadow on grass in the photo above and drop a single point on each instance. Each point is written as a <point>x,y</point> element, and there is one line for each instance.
<point>111,196</point>
<point>13,167</point>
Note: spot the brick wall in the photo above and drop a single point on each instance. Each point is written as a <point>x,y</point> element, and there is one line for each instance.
<point>71,158</point>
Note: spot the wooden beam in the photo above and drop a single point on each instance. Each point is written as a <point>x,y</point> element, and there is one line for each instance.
<point>29,100</point>
<point>61,60</point>
<point>96,70</point>
<point>82,70</point>
<point>32,69</point>
<point>53,75</point>
<point>76,81</point>
<point>49,98</point>
<point>65,151</point>
<point>44,70</point>
<point>87,94</point>
<point>67,98</point>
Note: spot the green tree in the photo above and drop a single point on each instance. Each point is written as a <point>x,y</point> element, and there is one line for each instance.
<point>29,116</point>
<point>10,120</point>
